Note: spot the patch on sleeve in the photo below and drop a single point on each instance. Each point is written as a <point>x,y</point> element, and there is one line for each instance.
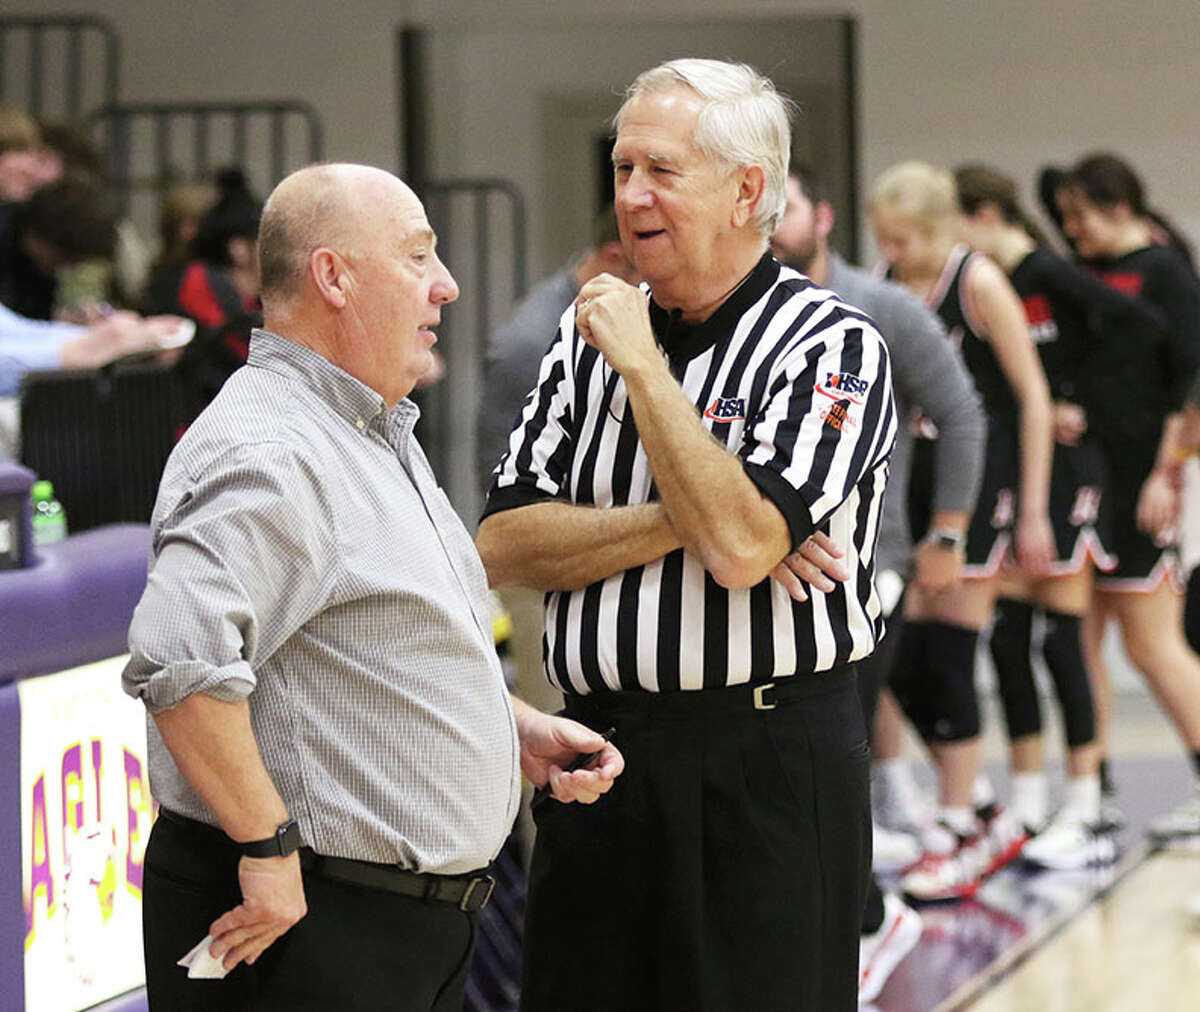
<point>845,392</point>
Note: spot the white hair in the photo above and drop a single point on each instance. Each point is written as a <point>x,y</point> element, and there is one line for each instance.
<point>745,121</point>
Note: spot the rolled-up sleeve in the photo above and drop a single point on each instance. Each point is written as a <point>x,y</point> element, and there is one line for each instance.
<point>241,561</point>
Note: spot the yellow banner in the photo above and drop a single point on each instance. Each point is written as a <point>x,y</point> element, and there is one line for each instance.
<point>85,819</point>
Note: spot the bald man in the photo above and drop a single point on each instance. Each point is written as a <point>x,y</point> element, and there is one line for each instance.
<point>331,743</point>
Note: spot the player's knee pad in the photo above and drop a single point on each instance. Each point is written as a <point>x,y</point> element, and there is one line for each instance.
<point>951,713</point>
<point>1063,650</point>
<point>1012,629</point>
<point>908,669</point>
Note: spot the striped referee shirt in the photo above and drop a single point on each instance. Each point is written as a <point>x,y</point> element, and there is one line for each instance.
<point>797,384</point>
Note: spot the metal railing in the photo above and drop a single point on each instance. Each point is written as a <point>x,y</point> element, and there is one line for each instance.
<point>481,227</point>
<point>46,64</point>
<point>151,145</point>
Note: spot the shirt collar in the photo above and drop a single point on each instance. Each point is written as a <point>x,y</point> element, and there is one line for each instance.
<point>352,399</point>
<point>684,341</point>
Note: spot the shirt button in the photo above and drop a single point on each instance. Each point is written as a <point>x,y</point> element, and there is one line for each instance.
<point>361,424</point>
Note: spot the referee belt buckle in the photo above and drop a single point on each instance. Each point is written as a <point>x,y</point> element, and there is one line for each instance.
<point>761,702</point>
<point>478,892</point>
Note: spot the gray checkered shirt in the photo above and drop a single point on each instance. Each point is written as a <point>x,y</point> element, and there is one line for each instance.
<point>304,557</point>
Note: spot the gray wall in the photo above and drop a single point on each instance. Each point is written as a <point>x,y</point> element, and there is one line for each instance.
<point>1016,84</point>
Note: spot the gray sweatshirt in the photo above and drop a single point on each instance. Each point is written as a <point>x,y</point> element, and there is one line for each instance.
<point>513,355</point>
<point>926,373</point>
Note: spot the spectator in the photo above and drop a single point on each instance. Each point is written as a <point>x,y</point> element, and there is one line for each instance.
<point>41,344</point>
<point>65,222</point>
<point>219,290</point>
<point>67,149</point>
<point>179,214</point>
<point>22,167</point>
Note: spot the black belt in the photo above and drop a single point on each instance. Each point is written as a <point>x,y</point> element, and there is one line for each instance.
<point>467,892</point>
<point>729,699</point>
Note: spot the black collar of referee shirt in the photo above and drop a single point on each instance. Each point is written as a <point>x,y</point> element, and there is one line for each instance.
<point>684,341</point>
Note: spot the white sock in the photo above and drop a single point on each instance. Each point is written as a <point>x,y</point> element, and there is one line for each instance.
<point>897,773</point>
<point>961,819</point>
<point>982,791</point>
<point>1083,797</point>
<point>1030,798</point>
<point>901,786</point>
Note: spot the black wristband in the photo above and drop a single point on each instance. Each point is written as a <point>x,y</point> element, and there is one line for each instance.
<point>284,842</point>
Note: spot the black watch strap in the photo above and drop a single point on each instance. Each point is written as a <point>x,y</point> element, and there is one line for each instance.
<point>284,842</point>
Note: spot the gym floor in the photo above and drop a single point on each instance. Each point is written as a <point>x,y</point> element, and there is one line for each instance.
<point>1105,941</point>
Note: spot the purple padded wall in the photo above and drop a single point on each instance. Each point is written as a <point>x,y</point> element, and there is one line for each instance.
<point>74,604</point>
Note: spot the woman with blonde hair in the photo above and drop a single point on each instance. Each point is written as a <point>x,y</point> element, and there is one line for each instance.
<point>914,212</point>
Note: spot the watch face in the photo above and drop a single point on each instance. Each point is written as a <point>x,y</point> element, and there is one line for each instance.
<point>289,837</point>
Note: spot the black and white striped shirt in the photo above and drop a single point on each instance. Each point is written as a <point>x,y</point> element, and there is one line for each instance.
<point>798,385</point>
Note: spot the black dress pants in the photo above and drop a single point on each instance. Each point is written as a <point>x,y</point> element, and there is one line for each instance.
<point>357,948</point>
<point>725,870</point>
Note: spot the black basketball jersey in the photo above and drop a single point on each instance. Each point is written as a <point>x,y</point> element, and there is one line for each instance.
<point>1071,314</point>
<point>948,298</point>
<point>1143,373</point>
<point>1059,325</point>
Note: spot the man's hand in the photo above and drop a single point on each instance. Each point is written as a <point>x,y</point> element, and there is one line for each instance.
<point>548,743</point>
<point>614,318</point>
<point>814,562</point>
<point>272,901</point>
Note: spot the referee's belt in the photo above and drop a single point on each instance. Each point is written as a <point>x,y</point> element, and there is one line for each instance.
<point>467,892</point>
<point>720,700</point>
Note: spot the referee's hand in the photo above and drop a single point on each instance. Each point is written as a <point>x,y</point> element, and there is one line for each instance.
<point>816,563</point>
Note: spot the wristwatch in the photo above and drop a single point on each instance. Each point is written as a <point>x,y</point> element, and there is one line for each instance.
<point>285,841</point>
<point>945,537</point>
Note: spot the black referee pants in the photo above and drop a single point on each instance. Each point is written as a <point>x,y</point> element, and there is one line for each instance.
<point>725,870</point>
<point>357,948</point>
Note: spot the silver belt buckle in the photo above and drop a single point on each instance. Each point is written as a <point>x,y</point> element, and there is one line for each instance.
<point>485,882</point>
<point>760,696</point>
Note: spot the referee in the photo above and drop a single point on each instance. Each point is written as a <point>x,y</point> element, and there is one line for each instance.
<point>679,445</point>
